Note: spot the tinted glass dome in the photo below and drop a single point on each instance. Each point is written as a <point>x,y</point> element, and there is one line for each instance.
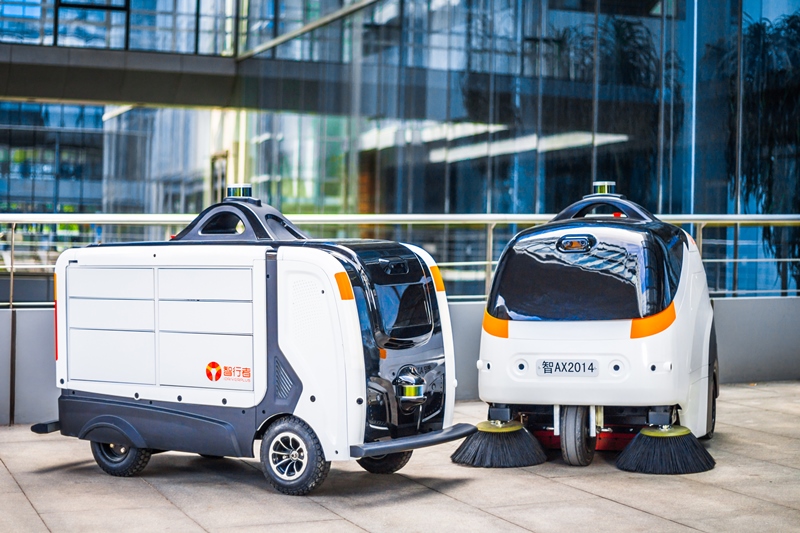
<point>588,269</point>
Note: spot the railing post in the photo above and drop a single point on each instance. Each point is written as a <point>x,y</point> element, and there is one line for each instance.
<point>489,255</point>
<point>11,277</point>
<point>699,237</point>
<point>12,352</point>
<point>735,288</point>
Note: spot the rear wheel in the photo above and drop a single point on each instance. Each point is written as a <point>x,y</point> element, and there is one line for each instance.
<point>120,460</point>
<point>292,457</point>
<point>713,387</point>
<point>577,447</point>
<point>385,464</point>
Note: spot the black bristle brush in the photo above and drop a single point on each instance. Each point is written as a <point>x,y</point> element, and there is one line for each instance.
<point>665,450</point>
<point>499,445</point>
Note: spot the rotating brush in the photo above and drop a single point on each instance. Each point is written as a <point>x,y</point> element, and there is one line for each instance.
<point>665,450</point>
<point>499,445</point>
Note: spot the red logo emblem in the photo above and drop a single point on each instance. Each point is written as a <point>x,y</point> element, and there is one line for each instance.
<point>213,371</point>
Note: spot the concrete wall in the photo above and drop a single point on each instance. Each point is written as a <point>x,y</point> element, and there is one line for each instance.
<point>5,365</point>
<point>759,340</point>
<point>36,392</point>
<point>467,320</point>
<point>35,384</point>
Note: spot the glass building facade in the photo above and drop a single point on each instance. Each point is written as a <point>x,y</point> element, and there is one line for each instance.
<point>51,158</point>
<point>467,106</point>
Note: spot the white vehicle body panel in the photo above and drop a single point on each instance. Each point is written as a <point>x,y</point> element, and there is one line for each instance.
<point>145,321</point>
<point>187,324</point>
<point>670,367</point>
<point>317,333</point>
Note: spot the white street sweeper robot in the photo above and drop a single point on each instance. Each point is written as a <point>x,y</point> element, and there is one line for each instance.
<point>240,329</point>
<point>600,321</point>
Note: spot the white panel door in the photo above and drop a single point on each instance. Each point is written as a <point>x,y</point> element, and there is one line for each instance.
<point>112,356</point>
<point>205,284</point>
<point>126,315</point>
<point>208,361</point>
<point>110,283</point>
<point>206,317</point>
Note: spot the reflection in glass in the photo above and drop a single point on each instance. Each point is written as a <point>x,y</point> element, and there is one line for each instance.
<point>763,139</point>
<point>91,28</point>
<point>402,306</point>
<point>453,106</point>
<point>51,158</point>
<point>26,22</point>
<point>216,27</point>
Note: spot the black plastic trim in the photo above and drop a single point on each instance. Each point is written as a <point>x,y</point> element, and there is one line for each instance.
<point>112,429</point>
<point>582,207</point>
<point>501,413</point>
<point>43,428</point>
<point>210,430</point>
<point>276,402</point>
<point>262,222</point>
<point>404,444</point>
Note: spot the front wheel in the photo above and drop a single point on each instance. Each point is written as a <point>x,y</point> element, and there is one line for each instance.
<point>292,457</point>
<point>120,460</point>
<point>577,447</point>
<point>385,464</point>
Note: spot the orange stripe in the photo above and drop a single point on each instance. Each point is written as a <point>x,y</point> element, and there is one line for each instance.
<point>495,326</point>
<point>644,327</point>
<point>382,352</point>
<point>438,282</point>
<point>345,289</point>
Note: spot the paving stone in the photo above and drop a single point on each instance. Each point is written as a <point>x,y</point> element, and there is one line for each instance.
<point>323,526</point>
<point>7,483</point>
<point>128,520</point>
<point>18,514</point>
<point>590,514</point>
<point>52,482</point>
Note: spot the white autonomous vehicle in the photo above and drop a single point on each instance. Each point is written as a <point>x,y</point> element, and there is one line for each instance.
<point>241,329</point>
<point>599,323</point>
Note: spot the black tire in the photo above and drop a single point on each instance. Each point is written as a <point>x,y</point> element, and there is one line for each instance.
<point>292,457</point>
<point>385,464</point>
<point>577,447</point>
<point>120,460</point>
<point>713,388</point>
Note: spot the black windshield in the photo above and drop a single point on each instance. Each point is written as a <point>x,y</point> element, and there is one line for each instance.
<point>616,271</point>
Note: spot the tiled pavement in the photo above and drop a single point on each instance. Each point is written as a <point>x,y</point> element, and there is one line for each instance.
<point>52,483</point>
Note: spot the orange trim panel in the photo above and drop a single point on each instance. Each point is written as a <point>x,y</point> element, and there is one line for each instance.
<point>644,327</point>
<point>495,326</point>
<point>345,289</point>
<point>438,282</point>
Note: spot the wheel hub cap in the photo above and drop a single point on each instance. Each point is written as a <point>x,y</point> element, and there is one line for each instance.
<point>287,456</point>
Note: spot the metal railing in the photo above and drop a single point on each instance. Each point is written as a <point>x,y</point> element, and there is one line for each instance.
<point>399,226</point>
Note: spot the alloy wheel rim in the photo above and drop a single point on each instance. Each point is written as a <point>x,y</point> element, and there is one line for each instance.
<point>288,456</point>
